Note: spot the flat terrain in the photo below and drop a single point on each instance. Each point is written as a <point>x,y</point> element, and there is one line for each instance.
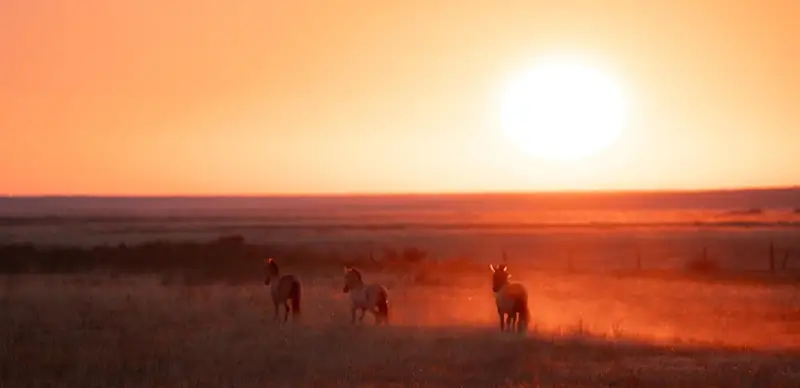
<point>588,331</point>
<point>616,297</point>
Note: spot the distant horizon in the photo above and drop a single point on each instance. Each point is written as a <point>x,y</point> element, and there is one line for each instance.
<point>595,206</point>
<point>421,194</point>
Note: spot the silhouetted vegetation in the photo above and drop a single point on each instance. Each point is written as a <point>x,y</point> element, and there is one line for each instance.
<point>745,212</point>
<point>231,259</point>
<point>702,265</point>
<point>228,259</point>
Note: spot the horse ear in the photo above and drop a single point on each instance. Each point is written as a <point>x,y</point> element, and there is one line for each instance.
<point>270,260</point>
<point>491,267</point>
<point>509,275</point>
<point>346,270</point>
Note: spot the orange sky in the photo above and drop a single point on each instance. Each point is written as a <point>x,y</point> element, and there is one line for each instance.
<point>255,96</point>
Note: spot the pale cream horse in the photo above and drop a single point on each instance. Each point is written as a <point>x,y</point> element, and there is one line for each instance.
<point>511,300</point>
<point>366,297</point>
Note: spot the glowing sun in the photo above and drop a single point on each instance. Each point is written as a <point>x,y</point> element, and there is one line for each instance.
<point>562,111</point>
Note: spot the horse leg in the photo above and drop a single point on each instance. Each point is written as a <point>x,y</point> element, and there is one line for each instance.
<point>361,318</point>
<point>353,315</point>
<point>511,321</point>
<point>377,315</point>
<point>275,316</point>
<point>502,321</point>
<point>286,311</point>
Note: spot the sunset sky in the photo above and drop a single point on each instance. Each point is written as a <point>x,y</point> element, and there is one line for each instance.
<point>292,96</point>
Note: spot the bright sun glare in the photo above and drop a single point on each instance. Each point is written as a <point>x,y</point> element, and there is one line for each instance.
<point>561,110</point>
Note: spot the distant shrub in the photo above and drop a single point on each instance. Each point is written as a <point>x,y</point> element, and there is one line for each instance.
<point>390,254</point>
<point>233,239</point>
<point>745,212</point>
<point>702,265</point>
<point>414,255</point>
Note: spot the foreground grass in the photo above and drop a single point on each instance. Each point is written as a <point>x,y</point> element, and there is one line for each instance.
<point>86,331</point>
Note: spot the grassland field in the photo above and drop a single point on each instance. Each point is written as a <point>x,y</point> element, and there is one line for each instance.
<point>598,320</point>
<point>96,330</point>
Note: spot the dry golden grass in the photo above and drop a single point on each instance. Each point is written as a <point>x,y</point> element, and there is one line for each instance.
<point>94,331</point>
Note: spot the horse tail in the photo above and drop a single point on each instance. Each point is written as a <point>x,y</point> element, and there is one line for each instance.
<point>525,318</point>
<point>383,305</point>
<point>295,291</point>
<point>521,307</point>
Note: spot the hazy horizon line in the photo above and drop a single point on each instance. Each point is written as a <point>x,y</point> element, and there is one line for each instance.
<point>424,194</point>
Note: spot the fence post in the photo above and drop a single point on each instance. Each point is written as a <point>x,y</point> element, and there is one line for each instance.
<point>786,259</point>
<point>638,259</point>
<point>771,256</point>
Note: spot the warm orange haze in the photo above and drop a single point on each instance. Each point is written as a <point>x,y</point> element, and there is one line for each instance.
<point>571,193</point>
<point>265,97</point>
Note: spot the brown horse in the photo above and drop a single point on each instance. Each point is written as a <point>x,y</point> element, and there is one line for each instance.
<point>282,288</point>
<point>511,300</point>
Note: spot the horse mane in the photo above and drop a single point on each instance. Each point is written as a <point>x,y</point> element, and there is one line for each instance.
<point>271,263</point>
<point>349,270</point>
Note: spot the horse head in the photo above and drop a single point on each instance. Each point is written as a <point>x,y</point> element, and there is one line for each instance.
<point>500,276</point>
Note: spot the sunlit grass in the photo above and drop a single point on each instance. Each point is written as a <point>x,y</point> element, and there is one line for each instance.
<point>91,330</point>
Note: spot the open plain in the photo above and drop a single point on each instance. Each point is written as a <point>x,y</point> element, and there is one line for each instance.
<point>586,331</point>
<point>159,296</point>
